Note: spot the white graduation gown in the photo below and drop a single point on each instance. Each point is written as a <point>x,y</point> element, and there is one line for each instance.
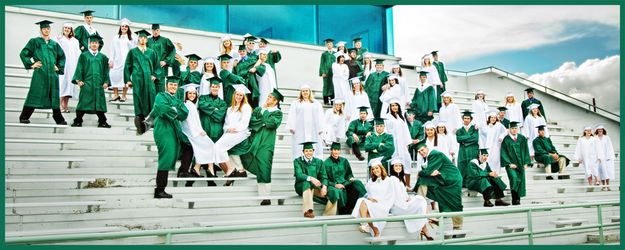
<point>446,146</point>
<point>120,45</point>
<point>71,48</point>
<point>408,205</point>
<point>391,93</point>
<point>606,167</point>
<point>450,114</point>
<point>401,139</point>
<point>239,121</point>
<point>530,131</point>
<point>340,79</point>
<point>514,112</point>
<point>490,136</point>
<point>382,192</point>
<point>405,91</point>
<point>203,146</point>
<point>479,108</point>
<point>334,126</point>
<point>266,83</point>
<point>360,99</point>
<point>307,120</point>
<point>366,72</point>
<point>587,150</point>
<point>433,78</point>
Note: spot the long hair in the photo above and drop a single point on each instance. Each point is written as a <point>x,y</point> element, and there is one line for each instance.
<point>488,120</point>
<point>340,112</point>
<point>584,133</point>
<point>444,127</point>
<point>505,100</point>
<point>399,175</point>
<point>400,73</point>
<point>383,170</point>
<point>483,97</point>
<point>338,59</point>
<point>186,97</point>
<point>605,132</point>
<point>129,33</point>
<point>398,113</point>
<point>234,102</point>
<point>537,114</point>
<point>361,89</point>
<point>71,32</point>
<point>214,71</point>
<point>228,49</point>
<point>435,136</point>
<point>310,97</point>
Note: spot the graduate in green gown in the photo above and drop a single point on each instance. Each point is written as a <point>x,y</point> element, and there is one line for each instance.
<point>440,180</point>
<point>360,51</point>
<point>440,68</point>
<point>264,122</point>
<point>501,116</point>
<point>357,132</point>
<point>311,183</point>
<point>168,112</point>
<point>529,101</point>
<point>47,60</point>
<point>468,138</point>
<point>424,99</point>
<point>545,152</point>
<point>247,69</point>
<point>84,31</point>
<point>416,132</point>
<point>212,111</point>
<point>325,71</point>
<point>141,72</point>
<point>92,76</point>
<point>166,52</point>
<point>380,143</point>
<point>229,79</point>
<point>191,75</point>
<point>482,179</point>
<point>373,86</point>
<point>341,182</point>
<point>249,42</point>
<point>515,157</point>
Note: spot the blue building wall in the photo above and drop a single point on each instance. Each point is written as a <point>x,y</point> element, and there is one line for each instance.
<point>308,24</point>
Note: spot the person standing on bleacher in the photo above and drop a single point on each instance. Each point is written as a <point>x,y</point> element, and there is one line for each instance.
<point>47,60</point>
<point>515,157</point>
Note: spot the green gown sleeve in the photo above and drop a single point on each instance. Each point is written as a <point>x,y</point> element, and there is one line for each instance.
<point>348,172</point>
<point>389,147</point>
<point>79,73</point>
<point>298,168</point>
<point>323,175</point>
<point>60,60</point>
<point>27,53</point>
<point>260,70</point>
<point>274,120</point>
<point>128,66</point>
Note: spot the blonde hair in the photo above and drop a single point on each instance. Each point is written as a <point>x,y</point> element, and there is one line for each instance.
<point>234,102</point>
<point>382,168</point>
<point>310,97</point>
<point>505,100</point>
<point>362,89</point>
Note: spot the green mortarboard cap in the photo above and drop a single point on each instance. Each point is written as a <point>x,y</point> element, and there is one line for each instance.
<point>328,40</point>
<point>364,109</point>
<point>308,145</point>
<point>143,33</point>
<point>434,52</point>
<point>529,90</point>
<point>379,61</point>
<point>350,50</point>
<point>87,12</point>
<point>502,108</point>
<point>409,110</point>
<point>156,26</point>
<point>423,73</point>
<point>44,24</point>
<point>215,80</point>
<point>224,57</point>
<point>483,151</point>
<point>173,78</point>
<point>275,93</point>
<point>242,47</point>
<point>467,113</point>
<point>335,145</point>
<point>514,124</point>
<point>95,37</point>
<point>193,57</point>
<point>541,127</point>
<point>250,38</point>
<point>357,39</point>
<point>263,40</point>
<point>421,144</point>
<point>378,121</point>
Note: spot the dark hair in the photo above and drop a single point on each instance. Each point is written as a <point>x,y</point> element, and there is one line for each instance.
<point>443,127</point>
<point>186,97</point>
<point>382,168</point>
<point>400,72</point>
<point>129,33</point>
<point>338,59</point>
<point>435,136</point>
<point>399,175</point>
<point>71,32</point>
<point>488,120</point>
<point>605,132</point>
<point>399,113</point>
<point>584,133</point>
<point>344,49</point>
<point>214,71</point>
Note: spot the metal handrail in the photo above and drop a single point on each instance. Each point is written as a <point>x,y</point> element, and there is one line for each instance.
<point>168,233</point>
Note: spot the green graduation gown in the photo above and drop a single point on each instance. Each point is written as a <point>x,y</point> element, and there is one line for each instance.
<point>440,68</point>
<point>416,132</point>
<point>82,35</point>
<point>340,172</point>
<point>166,51</point>
<point>303,169</point>
<point>373,87</point>
<point>478,179</point>
<point>542,148</point>
<point>516,153</point>
<point>186,78</point>
<point>44,84</point>
<point>139,69</point>
<point>212,111</point>
<point>375,149</point>
<point>242,70</point>
<point>424,102</point>
<point>529,102</point>
<point>325,67</point>
<point>229,79</point>
<point>168,112</point>
<point>360,54</point>
<point>94,72</point>
<point>446,188</point>
<point>359,128</point>
<point>259,159</point>
<point>505,122</point>
<point>469,148</point>
<point>273,58</point>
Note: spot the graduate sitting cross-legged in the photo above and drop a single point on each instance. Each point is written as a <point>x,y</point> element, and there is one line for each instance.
<point>482,179</point>
<point>311,181</point>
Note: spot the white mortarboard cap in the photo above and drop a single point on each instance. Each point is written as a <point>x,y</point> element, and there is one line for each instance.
<point>209,59</point>
<point>440,124</point>
<point>393,76</point>
<point>341,43</point>
<point>587,128</point>
<point>395,65</point>
<point>68,24</point>
<point>533,106</point>
<point>446,94</point>
<point>241,88</point>
<point>247,35</point>
<point>226,37</point>
<point>304,86</point>
<point>338,101</point>
<point>396,161</point>
<point>600,126</point>
<point>355,80</point>
<point>367,55</point>
<point>480,92</point>
<point>492,112</point>
<point>189,87</point>
<point>124,21</point>
<point>340,53</point>
<point>393,100</point>
<point>263,51</point>
<point>509,94</point>
<point>429,124</point>
<point>426,56</point>
<point>375,161</point>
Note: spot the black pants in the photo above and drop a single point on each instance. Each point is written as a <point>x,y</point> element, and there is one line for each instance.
<point>253,102</point>
<point>161,179</point>
<point>352,197</point>
<point>493,189</point>
<point>28,111</point>
<point>81,113</point>
<point>515,196</point>
<point>186,158</point>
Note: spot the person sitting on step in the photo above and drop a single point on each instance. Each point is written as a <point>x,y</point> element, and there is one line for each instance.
<point>482,179</point>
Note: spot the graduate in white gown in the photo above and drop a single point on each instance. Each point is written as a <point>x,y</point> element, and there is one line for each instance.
<point>340,77</point>
<point>121,43</point>
<point>368,66</point>
<point>391,91</point>
<point>203,146</point>
<point>335,123</point>
<point>379,199</point>
<point>491,135</point>
<point>396,125</point>
<point>407,204</point>
<point>305,122</point>
<point>209,70</point>
<point>235,127</point>
<point>450,114</point>
<point>479,108</point>
<point>446,142</point>
<point>513,112</point>
<point>357,98</point>
<point>433,141</point>
<point>589,154</point>
<point>267,82</point>
<point>532,121</point>
<point>433,77</point>
<point>606,167</point>
<point>401,80</point>
<point>71,48</point>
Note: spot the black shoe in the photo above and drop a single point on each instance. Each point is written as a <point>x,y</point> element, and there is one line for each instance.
<point>487,203</point>
<point>24,121</point>
<point>561,177</point>
<point>195,173</point>
<point>116,99</point>
<point>550,178</point>
<point>516,202</point>
<point>501,203</point>
<point>104,125</point>
<point>265,203</point>
<point>139,125</point>
<point>162,195</point>
<point>241,174</point>
<point>61,123</point>
<point>211,184</point>
<point>183,175</point>
<point>77,124</point>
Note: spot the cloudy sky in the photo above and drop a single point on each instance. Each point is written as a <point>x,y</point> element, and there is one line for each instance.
<point>574,49</point>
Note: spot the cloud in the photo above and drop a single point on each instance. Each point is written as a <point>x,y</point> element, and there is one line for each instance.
<point>462,32</point>
<point>598,78</point>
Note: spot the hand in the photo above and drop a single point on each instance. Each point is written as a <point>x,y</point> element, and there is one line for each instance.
<point>82,47</point>
<point>324,75</point>
<point>110,65</point>
<point>129,84</point>
<point>453,131</point>
<point>385,87</point>
<point>324,191</point>
<point>231,130</point>
<point>435,173</point>
<point>203,133</point>
<point>292,131</point>
<point>476,127</point>
<point>36,65</point>
<point>430,113</point>
<point>525,166</point>
<point>492,174</point>
<point>274,51</point>
<point>315,182</point>
<point>105,86</point>
<point>408,199</point>
<point>252,70</point>
<point>368,134</point>
<point>372,200</point>
<point>351,179</point>
<point>340,186</point>
<point>80,83</point>
<point>163,63</point>
<point>179,46</point>
<point>512,166</point>
<point>500,140</point>
<point>415,141</point>
<point>153,78</point>
<point>56,68</point>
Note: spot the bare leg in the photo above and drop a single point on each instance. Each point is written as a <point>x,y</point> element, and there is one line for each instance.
<point>407,179</point>
<point>590,181</point>
<point>125,91</point>
<point>197,167</point>
<point>115,93</point>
